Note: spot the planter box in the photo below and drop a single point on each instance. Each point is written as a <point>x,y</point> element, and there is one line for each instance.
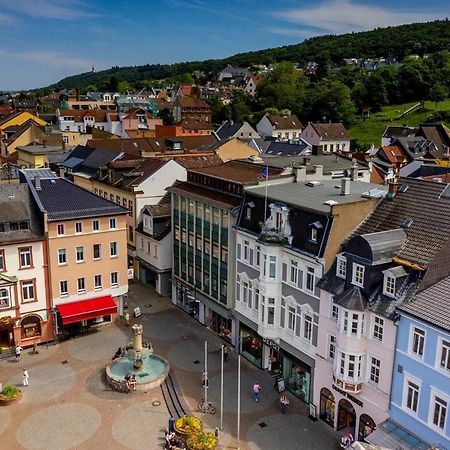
<point>9,401</point>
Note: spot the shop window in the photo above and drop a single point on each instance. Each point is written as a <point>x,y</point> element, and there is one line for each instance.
<point>4,298</point>
<point>299,380</point>
<point>327,406</point>
<point>31,327</point>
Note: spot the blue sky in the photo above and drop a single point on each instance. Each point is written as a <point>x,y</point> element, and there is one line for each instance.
<point>42,41</point>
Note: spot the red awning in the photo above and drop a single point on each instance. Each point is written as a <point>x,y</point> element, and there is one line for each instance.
<point>87,309</point>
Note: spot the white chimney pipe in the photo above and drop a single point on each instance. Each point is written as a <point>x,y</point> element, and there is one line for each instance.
<point>345,186</point>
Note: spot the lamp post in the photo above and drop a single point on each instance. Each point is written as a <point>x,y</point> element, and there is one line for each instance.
<point>239,402</point>
<point>221,391</point>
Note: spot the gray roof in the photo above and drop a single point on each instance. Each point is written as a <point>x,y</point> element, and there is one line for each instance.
<point>432,304</point>
<point>228,129</point>
<point>72,162</point>
<point>63,200</point>
<point>312,197</point>
<point>352,299</point>
<point>276,148</point>
<point>423,203</point>
<point>384,245</point>
<point>41,173</point>
<point>330,163</point>
<point>16,205</point>
<point>39,149</point>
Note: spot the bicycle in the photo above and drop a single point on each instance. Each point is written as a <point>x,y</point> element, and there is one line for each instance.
<point>206,407</point>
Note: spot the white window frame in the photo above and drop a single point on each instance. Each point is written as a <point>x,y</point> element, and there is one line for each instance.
<point>371,372</point>
<point>95,225</point>
<point>98,282</point>
<point>62,251</point>
<point>389,282</point>
<point>293,272</point>
<point>77,260</point>
<point>341,266</point>
<point>431,407</point>
<point>272,267</point>
<point>309,272</point>
<point>7,297</point>
<point>331,347</point>
<point>66,292</point>
<point>440,350</point>
<point>406,380</point>
<point>378,328</point>
<point>313,236</point>
<point>28,287</point>
<point>114,284</point>
<point>334,307</point>
<point>83,289</point>
<point>412,353</point>
<point>114,254</point>
<point>355,278</point>
<point>112,223</point>
<point>78,227</point>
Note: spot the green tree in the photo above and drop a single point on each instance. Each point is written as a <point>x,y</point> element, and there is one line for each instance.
<point>166,116</point>
<point>113,84</point>
<point>438,93</point>
<point>123,86</point>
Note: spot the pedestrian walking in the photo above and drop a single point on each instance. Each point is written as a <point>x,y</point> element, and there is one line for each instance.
<point>18,352</point>
<point>171,428</point>
<point>256,391</point>
<point>127,318</point>
<point>35,348</point>
<point>25,377</point>
<point>225,353</point>
<point>283,402</point>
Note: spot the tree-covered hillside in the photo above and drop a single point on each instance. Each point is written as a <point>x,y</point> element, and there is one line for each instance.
<point>399,42</point>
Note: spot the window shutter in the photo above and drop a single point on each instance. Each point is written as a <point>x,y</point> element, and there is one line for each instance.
<point>284,274</point>
<point>300,279</point>
<point>239,251</point>
<point>251,257</point>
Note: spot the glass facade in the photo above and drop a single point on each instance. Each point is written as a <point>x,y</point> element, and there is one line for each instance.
<point>297,378</point>
<point>200,246</point>
<point>251,346</point>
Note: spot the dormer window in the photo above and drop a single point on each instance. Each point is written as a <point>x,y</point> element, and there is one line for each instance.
<point>389,285</point>
<point>341,266</point>
<point>313,237</point>
<point>358,274</point>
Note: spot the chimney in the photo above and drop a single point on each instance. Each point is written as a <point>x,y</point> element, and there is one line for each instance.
<point>393,186</point>
<point>354,172</point>
<point>77,94</point>
<point>345,186</point>
<point>37,183</point>
<point>306,160</point>
<point>318,171</point>
<point>300,174</point>
<point>44,143</point>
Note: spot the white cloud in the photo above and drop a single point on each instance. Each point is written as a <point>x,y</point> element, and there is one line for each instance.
<point>49,9</point>
<point>294,32</point>
<point>343,16</point>
<point>53,59</point>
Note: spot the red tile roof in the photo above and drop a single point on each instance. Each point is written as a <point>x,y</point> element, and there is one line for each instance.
<point>331,131</point>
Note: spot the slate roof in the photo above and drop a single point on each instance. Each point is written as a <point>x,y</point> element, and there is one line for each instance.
<point>439,134</point>
<point>162,208</point>
<point>228,129</point>
<point>17,205</point>
<point>63,200</point>
<point>429,210</point>
<point>331,131</point>
<point>276,148</point>
<point>396,132</point>
<point>432,304</point>
<point>290,122</point>
<point>352,299</point>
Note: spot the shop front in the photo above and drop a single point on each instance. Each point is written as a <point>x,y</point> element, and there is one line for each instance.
<point>327,406</point>
<point>6,331</point>
<point>297,377</point>
<point>251,345</point>
<point>76,317</point>
<point>185,298</point>
<point>221,325</point>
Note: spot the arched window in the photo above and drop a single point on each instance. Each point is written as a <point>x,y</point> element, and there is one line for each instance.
<point>31,327</point>
<point>4,298</point>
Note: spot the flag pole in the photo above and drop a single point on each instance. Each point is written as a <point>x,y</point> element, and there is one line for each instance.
<point>265,196</point>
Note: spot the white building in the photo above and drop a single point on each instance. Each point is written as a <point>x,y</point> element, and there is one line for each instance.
<point>284,128</point>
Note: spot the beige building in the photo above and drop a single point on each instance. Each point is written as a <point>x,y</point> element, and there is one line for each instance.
<point>86,253</point>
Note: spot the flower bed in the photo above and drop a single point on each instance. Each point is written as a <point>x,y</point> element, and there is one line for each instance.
<point>9,394</point>
<point>187,426</point>
<point>202,441</point>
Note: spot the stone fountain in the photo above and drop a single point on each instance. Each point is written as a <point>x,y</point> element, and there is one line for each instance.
<point>138,359</point>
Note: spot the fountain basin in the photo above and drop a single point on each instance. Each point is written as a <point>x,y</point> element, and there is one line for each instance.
<point>152,374</point>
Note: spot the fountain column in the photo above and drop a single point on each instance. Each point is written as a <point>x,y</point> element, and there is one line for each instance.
<point>137,340</point>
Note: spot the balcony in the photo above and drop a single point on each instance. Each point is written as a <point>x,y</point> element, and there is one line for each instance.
<point>273,235</point>
<point>347,386</point>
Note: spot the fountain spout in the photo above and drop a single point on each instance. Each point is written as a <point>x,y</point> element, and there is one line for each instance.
<point>137,340</point>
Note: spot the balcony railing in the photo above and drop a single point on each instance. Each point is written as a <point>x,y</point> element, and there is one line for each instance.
<point>347,386</point>
<point>273,235</point>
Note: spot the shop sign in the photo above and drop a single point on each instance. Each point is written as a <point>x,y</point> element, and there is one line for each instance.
<point>349,396</point>
<point>271,344</point>
<point>280,385</point>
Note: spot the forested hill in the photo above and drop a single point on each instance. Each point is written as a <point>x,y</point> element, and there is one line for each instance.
<point>399,41</point>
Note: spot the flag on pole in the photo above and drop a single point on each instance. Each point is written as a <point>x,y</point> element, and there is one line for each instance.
<point>264,175</point>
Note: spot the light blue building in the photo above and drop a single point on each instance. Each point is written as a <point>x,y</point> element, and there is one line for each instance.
<point>420,396</point>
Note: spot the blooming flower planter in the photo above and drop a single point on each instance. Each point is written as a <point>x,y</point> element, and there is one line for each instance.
<point>187,426</point>
<point>202,441</point>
